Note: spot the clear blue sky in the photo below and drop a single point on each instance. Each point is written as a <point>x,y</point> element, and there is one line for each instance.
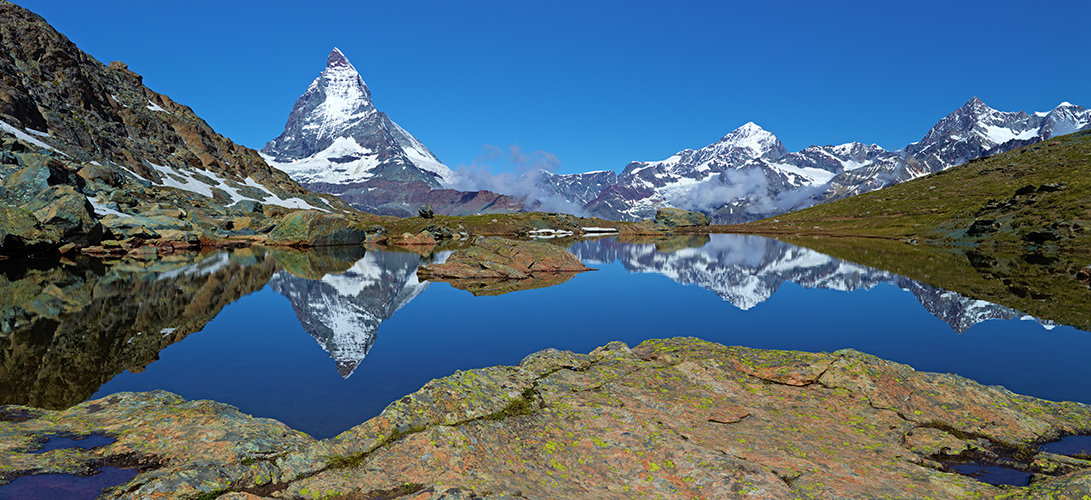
<point>599,84</point>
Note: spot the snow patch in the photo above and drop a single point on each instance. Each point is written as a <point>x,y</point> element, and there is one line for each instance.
<point>19,134</point>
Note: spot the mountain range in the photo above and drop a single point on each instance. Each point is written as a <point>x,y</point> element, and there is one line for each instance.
<point>335,141</point>
<point>749,175</point>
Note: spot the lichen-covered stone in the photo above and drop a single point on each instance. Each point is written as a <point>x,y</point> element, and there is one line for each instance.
<point>493,266</point>
<point>673,418</point>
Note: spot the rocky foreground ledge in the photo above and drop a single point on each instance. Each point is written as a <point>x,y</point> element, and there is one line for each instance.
<point>674,418</point>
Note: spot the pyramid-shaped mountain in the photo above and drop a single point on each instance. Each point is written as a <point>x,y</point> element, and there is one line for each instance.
<point>336,141</point>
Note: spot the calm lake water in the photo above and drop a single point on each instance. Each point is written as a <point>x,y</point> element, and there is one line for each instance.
<point>325,340</point>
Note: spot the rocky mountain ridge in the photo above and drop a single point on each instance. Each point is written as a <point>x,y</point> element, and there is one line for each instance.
<point>89,154</point>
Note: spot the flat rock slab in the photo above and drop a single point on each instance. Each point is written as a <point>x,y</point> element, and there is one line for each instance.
<point>674,418</point>
<point>492,266</point>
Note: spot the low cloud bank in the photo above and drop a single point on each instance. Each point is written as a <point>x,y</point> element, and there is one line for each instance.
<point>518,180</point>
<point>749,184</point>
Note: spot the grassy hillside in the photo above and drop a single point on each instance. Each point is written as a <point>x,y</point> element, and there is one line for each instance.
<point>1037,196</point>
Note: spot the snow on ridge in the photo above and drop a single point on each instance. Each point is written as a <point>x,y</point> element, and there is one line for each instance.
<point>187,181</point>
<point>155,107</point>
<point>19,134</point>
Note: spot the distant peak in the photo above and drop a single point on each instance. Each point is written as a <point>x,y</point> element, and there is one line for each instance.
<point>975,104</point>
<point>1065,104</point>
<point>337,58</point>
<point>750,127</point>
<point>748,130</point>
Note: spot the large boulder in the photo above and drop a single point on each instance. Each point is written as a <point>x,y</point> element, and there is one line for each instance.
<point>313,228</point>
<point>67,215</point>
<point>676,217</point>
<point>19,229</point>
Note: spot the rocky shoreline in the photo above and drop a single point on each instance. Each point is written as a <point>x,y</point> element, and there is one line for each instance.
<point>676,418</point>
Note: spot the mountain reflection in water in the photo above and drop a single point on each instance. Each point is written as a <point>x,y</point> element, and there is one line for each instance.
<point>747,270</point>
<point>240,327</point>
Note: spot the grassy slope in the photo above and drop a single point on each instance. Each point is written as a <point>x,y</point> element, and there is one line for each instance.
<point>940,207</point>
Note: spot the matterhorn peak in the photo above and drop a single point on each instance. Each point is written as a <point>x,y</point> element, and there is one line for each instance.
<point>337,58</point>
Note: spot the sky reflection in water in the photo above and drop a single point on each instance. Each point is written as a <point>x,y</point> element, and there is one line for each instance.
<point>257,355</point>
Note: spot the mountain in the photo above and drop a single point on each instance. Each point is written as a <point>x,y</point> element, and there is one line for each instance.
<point>337,142</point>
<point>748,270</point>
<point>748,174</point>
<point>88,153</point>
<point>343,311</point>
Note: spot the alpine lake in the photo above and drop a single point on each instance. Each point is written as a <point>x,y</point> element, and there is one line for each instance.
<point>324,339</point>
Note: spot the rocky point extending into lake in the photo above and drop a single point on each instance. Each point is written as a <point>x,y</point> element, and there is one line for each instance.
<point>676,418</point>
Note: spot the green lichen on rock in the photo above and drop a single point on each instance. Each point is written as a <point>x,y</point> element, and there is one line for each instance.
<point>676,418</point>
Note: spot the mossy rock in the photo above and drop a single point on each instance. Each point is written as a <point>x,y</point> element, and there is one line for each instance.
<point>313,228</point>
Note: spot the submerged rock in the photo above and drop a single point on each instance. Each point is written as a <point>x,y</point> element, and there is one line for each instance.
<point>674,418</point>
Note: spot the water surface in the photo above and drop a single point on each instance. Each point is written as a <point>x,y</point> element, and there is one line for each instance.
<point>323,341</point>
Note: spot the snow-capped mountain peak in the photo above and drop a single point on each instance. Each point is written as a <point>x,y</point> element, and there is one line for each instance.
<point>336,141</point>
<point>750,140</point>
<point>337,58</point>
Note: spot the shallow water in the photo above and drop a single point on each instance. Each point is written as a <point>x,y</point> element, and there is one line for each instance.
<point>323,341</point>
<point>66,486</point>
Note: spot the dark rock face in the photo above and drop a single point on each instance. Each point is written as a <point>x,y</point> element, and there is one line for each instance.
<point>675,418</point>
<point>79,129</point>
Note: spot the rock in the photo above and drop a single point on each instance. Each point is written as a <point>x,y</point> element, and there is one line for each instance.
<point>673,418</point>
<point>419,239</point>
<point>183,448</point>
<point>426,212</point>
<point>106,175</point>
<point>438,233</point>
<point>1041,236</point>
<point>492,258</point>
<point>1084,276</point>
<point>152,228</point>
<point>247,207</point>
<point>24,185</point>
<point>313,228</point>
<point>982,226</point>
<point>684,418</point>
<point>18,230</point>
<point>67,214</point>
<point>676,217</point>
